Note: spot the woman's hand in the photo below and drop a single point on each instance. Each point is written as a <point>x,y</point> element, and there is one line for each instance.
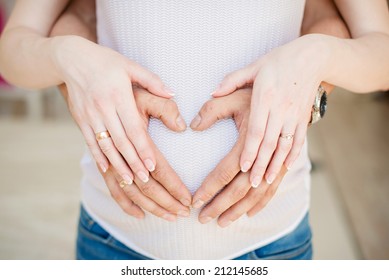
<point>99,81</point>
<point>164,195</point>
<point>230,188</point>
<point>285,82</point>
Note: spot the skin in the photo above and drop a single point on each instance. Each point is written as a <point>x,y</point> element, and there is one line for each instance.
<point>99,81</point>
<point>282,96</point>
<point>227,173</point>
<point>70,45</point>
<point>235,196</point>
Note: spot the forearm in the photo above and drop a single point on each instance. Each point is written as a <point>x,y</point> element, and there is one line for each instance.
<point>78,19</point>
<point>359,65</point>
<point>26,54</point>
<point>27,58</point>
<point>322,17</point>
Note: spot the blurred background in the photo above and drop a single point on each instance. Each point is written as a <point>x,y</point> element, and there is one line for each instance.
<point>40,149</point>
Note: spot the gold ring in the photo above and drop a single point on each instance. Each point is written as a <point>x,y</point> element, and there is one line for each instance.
<point>287,136</point>
<point>102,135</point>
<point>123,183</point>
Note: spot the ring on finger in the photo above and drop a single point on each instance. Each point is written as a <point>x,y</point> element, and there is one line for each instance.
<point>287,136</point>
<point>102,135</point>
<point>124,183</point>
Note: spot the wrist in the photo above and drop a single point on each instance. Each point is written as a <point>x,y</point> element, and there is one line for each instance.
<point>322,53</point>
<point>64,50</point>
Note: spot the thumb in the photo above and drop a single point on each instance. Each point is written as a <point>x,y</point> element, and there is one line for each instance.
<point>217,109</point>
<point>148,80</point>
<point>160,108</point>
<point>236,80</point>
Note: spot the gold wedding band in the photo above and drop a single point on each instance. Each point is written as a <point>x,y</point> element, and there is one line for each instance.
<point>102,135</point>
<point>287,136</point>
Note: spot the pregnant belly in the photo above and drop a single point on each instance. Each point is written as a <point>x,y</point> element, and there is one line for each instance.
<point>193,155</point>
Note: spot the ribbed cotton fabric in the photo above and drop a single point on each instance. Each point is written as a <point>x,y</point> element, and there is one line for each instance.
<point>192,45</point>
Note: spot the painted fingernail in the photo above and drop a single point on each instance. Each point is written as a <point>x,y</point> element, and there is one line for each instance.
<point>143,176</point>
<point>103,167</point>
<point>168,91</point>
<point>185,201</point>
<point>196,122</point>
<point>205,220</point>
<point>127,178</point>
<point>256,181</point>
<point>270,178</point>
<point>246,166</point>
<point>183,213</point>
<point>224,223</point>
<point>150,165</point>
<point>169,217</point>
<point>198,204</point>
<point>181,123</point>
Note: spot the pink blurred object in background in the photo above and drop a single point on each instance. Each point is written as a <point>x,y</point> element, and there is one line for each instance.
<point>3,83</point>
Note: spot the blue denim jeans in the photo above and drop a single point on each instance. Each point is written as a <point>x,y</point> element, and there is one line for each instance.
<point>95,243</point>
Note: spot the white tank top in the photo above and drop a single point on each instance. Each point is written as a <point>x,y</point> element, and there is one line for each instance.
<point>192,45</point>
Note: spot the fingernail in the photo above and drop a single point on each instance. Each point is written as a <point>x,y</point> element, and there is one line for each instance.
<point>224,223</point>
<point>143,176</point>
<point>256,181</point>
<point>185,201</point>
<point>289,167</point>
<point>181,123</point>
<point>216,90</point>
<point>183,213</point>
<point>169,217</point>
<point>150,165</point>
<point>205,220</point>
<point>168,91</point>
<point>127,178</point>
<point>246,166</point>
<point>198,204</point>
<point>270,178</point>
<point>103,167</point>
<point>196,122</point>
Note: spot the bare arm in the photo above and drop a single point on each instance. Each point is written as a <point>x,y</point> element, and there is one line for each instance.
<point>98,79</point>
<point>362,63</point>
<point>26,32</point>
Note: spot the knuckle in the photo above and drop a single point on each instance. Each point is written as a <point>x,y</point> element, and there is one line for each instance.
<point>284,147</point>
<point>100,104</point>
<point>269,144</point>
<point>121,143</point>
<point>224,176</point>
<point>106,147</point>
<point>238,193</point>
<point>148,189</point>
<point>175,190</point>
<point>170,206</point>
<point>168,107</point>
<point>208,107</point>
<point>91,143</point>
<point>255,132</point>
<point>159,174</point>
<point>299,142</point>
<point>207,195</point>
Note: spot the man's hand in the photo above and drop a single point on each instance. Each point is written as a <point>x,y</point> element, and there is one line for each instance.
<point>236,197</point>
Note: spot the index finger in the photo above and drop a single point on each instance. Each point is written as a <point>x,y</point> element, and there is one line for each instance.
<point>169,179</point>
<point>223,174</point>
